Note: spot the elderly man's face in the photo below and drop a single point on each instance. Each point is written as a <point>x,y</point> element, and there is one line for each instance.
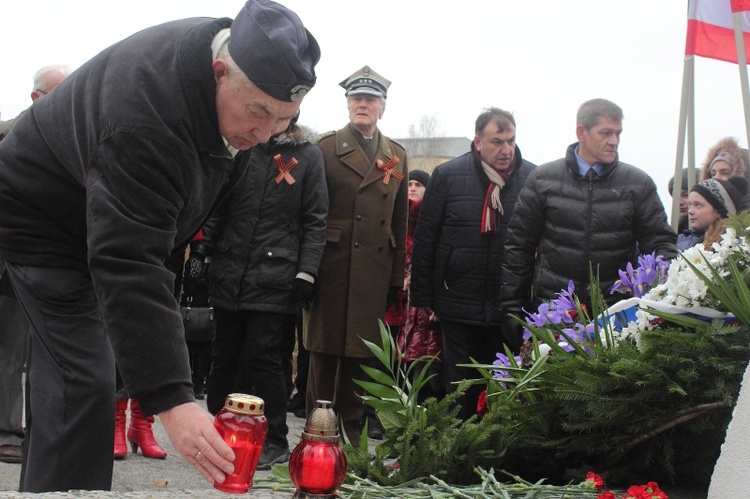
<point>497,149</point>
<point>364,112</point>
<point>247,115</point>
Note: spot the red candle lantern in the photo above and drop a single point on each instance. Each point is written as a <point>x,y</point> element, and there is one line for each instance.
<point>317,466</point>
<point>243,427</point>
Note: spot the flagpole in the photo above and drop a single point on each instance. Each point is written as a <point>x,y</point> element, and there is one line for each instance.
<point>691,130</point>
<point>742,63</point>
<point>687,83</point>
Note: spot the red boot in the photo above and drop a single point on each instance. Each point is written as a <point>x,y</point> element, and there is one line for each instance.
<point>140,433</point>
<point>121,446</point>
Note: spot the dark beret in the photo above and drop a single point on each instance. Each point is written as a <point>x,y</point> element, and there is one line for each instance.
<point>272,47</point>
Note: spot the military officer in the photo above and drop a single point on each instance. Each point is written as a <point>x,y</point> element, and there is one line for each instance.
<point>364,256</point>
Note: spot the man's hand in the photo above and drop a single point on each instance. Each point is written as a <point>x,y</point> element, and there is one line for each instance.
<point>191,430</point>
<point>302,292</point>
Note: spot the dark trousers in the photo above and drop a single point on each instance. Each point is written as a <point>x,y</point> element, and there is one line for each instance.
<point>462,342</point>
<point>331,378</point>
<point>247,359</point>
<point>200,364</point>
<point>13,338</point>
<point>70,408</point>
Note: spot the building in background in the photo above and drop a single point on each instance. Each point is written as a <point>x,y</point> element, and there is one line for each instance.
<point>425,153</point>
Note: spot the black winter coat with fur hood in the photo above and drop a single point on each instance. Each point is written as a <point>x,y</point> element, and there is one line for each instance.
<point>270,228</point>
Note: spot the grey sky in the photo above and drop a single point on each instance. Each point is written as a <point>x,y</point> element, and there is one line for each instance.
<point>539,59</point>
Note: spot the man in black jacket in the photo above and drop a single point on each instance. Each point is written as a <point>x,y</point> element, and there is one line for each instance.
<point>458,248</point>
<point>100,182</point>
<point>266,242</point>
<point>587,210</point>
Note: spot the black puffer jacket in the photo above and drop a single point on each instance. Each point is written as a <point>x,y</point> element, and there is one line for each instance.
<point>267,231</point>
<point>456,268</point>
<point>573,221</point>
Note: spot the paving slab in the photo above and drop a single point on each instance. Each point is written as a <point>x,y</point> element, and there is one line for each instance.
<point>137,477</point>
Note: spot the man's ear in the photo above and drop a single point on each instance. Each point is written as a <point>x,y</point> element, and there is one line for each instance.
<point>220,67</point>
<point>580,133</point>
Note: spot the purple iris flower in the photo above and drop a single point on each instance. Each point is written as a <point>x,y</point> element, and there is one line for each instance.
<point>503,361</point>
<point>574,334</point>
<point>566,301</point>
<point>587,331</point>
<point>626,280</point>
<point>545,315</point>
<point>652,271</point>
<point>566,346</point>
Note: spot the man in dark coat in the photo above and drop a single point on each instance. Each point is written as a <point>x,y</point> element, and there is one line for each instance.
<point>363,260</point>
<point>458,248</point>
<point>266,243</point>
<point>100,182</point>
<point>13,324</point>
<point>587,210</point>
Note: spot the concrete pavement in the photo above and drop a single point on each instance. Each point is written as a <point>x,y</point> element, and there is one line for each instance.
<point>139,477</point>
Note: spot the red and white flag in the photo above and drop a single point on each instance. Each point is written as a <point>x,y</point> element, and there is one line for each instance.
<point>710,30</point>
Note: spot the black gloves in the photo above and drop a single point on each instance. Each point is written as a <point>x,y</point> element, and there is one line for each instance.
<point>302,293</point>
<point>194,266</point>
<point>195,272</point>
<point>392,295</point>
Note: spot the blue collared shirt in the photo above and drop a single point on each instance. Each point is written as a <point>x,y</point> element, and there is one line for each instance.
<point>584,167</point>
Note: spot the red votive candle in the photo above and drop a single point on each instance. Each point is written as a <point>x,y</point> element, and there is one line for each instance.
<point>243,427</point>
<point>318,465</point>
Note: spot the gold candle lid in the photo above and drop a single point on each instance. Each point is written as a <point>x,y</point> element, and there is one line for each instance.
<point>244,404</point>
<point>321,424</point>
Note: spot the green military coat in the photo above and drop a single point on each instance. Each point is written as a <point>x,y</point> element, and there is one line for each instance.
<point>365,249</point>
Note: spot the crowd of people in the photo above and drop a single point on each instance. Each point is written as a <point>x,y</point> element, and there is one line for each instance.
<point>120,201</point>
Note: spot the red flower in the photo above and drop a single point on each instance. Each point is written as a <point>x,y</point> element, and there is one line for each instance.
<point>606,495</point>
<point>482,408</point>
<point>656,492</point>
<point>637,492</point>
<point>649,491</point>
<point>598,481</point>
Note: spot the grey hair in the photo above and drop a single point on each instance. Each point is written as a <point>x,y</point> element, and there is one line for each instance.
<point>591,110</point>
<point>234,73</point>
<point>502,118</point>
<point>40,77</point>
<point>381,99</point>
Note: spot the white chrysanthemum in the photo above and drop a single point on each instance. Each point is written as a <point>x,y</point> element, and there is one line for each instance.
<point>630,332</point>
<point>683,287</point>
